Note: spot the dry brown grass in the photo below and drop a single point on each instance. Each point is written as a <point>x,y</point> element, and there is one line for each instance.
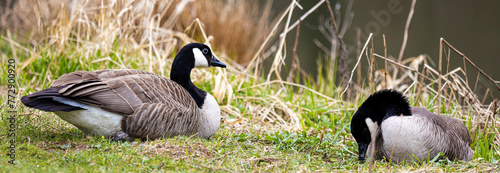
<point>236,27</point>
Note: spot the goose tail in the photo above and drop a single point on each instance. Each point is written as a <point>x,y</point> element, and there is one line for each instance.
<point>46,100</point>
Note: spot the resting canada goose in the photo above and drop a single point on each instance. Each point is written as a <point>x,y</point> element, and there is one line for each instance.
<point>128,104</point>
<point>403,133</point>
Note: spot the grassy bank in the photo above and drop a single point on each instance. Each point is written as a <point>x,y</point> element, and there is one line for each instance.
<point>269,123</point>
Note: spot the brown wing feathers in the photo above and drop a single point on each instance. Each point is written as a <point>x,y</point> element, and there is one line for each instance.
<point>145,122</point>
<point>458,135</point>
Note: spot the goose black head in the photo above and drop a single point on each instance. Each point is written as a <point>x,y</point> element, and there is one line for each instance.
<point>195,55</point>
<point>191,56</point>
<point>378,107</point>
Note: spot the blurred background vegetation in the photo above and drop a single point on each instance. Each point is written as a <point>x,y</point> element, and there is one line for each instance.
<point>471,26</point>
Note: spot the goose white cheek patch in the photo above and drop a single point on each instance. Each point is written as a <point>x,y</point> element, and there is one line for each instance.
<point>372,126</point>
<point>199,59</point>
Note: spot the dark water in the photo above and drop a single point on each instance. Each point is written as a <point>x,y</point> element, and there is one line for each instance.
<point>473,27</point>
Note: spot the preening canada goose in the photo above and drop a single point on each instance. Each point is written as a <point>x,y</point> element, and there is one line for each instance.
<point>403,133</point>
<point>128,104</point>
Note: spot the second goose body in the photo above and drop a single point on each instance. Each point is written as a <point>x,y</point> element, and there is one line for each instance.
<point>404,133</point>
<point>129,104</point>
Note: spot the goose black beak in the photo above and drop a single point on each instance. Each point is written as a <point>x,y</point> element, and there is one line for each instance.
<point>216,63</point>
<point>362,151</point>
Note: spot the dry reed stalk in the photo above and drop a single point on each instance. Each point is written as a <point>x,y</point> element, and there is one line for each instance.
<point>252,64</point>
<point>356,65</point>
<point>279,58</point>
<point>385,62</point>
<point>407,26</point>
<point>339,46</point>
<point>358,54</point>
<point>371,64</point>
<point>443,41</point>
<point>294,55</point>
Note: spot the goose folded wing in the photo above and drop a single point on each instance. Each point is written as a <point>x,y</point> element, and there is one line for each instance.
<point>157,120</point>
<point>123,91</point>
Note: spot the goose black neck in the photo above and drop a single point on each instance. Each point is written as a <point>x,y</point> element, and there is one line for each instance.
<point>395,110</point>
<point>384,104</point>
<point>380,112</point>
<point>182,75</point>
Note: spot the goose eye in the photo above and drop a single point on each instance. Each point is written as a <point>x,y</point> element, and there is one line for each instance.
<point>365,130</point>
<point>205,51</point>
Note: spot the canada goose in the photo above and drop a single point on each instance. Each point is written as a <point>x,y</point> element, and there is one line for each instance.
<point>128,104</point>
<point>403,133</point>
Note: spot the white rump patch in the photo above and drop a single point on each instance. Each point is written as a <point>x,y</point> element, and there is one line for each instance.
<point>199,59</point>
<point>92,120</point>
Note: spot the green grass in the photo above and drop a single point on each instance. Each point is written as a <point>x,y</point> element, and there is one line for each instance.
<point>256,142</point>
